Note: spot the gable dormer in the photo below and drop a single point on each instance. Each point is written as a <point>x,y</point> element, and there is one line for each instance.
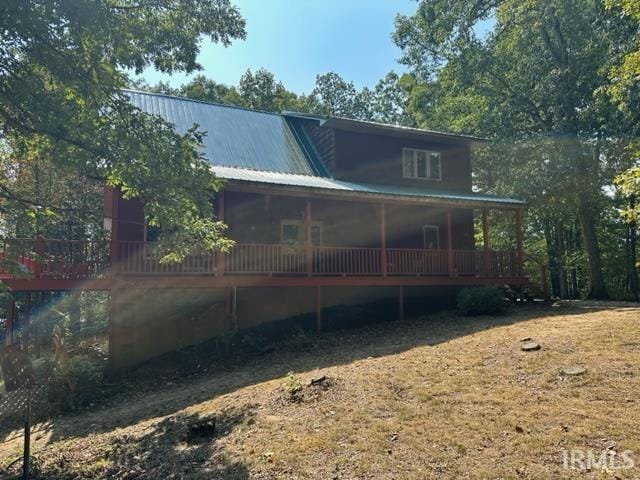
<point>382,154</point>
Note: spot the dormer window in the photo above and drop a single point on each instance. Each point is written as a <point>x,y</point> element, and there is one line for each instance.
<point>424,164</point>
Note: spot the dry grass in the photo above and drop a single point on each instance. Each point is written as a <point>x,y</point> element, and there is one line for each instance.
<point>440,397</point>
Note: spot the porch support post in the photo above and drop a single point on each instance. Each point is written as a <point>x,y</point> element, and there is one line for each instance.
<point>27,308</point>
<point>401,302</point>
<point>383,240</point>
<point>10,318</point>
<point>114,310</point>
<point>39,251</point>
<point>449,244</point>
<point>308,244</point>
<point>519,241</point>
<point>115,220</point>
<point>220,255</point>
<point>318,310</point>
<point>485,239</point>
<point>229,306</point>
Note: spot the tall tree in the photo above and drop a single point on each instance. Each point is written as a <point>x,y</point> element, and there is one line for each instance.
<point>537,75</point>
<point>62,67</point>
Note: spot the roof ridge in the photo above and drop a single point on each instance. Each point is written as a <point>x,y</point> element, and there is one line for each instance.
<point>193,100</point>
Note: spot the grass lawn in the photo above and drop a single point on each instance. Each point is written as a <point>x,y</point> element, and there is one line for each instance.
<point>436,397</point>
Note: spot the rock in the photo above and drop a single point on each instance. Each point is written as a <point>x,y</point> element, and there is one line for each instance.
<point>574,370</point>
<point>317,380</point>
<point>530,346</point>
<point>526,339</point>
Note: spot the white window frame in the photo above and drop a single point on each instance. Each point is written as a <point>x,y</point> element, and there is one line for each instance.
<point>428,153</point>
<point>301,230</point>
<point>424,236</point>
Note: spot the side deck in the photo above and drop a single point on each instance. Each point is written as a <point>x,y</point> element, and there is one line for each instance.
<point>44,264</point>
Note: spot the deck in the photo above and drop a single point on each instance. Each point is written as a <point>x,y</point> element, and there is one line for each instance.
<point>51,264</point>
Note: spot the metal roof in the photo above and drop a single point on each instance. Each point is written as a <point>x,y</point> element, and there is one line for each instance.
<point>330,185</point>
<point>349,124</point>
<point>263,148</point>
<point>236,137</point>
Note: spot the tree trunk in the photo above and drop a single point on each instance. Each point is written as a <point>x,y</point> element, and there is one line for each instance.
<point>597,287</point>
<point>632,259</point>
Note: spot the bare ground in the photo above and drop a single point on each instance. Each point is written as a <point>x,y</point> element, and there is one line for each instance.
<point>437,397</point>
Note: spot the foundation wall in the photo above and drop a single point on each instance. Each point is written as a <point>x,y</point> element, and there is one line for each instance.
<point>149,323</point>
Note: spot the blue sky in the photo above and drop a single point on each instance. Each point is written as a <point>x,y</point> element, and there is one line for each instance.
<point>298,39</point>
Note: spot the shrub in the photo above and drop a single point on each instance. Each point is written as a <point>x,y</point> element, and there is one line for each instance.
<point>293,387</point>
<point>68,386</point>
<point>481,301</point>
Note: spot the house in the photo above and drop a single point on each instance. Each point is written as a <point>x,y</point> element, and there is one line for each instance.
<point>324,211</point>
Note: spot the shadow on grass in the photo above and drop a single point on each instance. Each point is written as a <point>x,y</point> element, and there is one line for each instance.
<point>162,450</point>
<point>181,379</point>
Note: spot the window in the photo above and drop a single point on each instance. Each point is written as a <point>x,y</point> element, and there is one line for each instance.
<point>431,237</point>
<point>421,164</point>
<point>292,232</point>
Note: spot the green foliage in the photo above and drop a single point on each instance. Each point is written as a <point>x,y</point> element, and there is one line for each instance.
<point>629,184</point>
<point>481,301</point>
<point>69,386</point>
<point>538,83</point>
<point>63,67</point>
<point>292,387</point>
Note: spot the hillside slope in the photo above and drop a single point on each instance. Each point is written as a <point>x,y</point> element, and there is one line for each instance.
<point>438,397</point>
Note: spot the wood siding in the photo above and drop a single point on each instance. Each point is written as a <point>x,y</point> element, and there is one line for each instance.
<point>378,159</point>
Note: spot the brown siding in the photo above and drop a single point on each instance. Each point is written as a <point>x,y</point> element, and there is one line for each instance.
<point>378,159</point>
<point>323,140</point>
<point>130,220</point>
<point>256,218</point>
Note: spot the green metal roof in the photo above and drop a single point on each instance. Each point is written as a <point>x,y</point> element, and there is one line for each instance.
<point>330,185</point>
<point>264,148</point>
<point>236,137</point>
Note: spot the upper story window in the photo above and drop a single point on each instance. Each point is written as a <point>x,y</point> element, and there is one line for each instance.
<point>424,164</point>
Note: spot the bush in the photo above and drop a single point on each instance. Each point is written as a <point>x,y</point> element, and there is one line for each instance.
<point>481,301</point>
<point>68,386</point>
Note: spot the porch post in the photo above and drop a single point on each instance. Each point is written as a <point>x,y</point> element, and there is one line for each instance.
<point>39,251</point>
<point>401,302</point>
<point>308,244</point>
<point>10,314</point>
<point>220,255</point>
<point>27,308</point>
<point>318,310</point>
<point>383,240</point>
<point>449,244</point>
<point>115,245</point>
<point>485,239</point>
<point>519,241</point>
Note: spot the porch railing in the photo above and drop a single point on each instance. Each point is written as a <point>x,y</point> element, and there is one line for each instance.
<point>47,258</point>
<point>79,259</point>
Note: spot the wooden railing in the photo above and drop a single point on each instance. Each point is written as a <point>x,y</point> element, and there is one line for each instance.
<point>346,261</point>
<point>410,261</point>
<point>144,258</point>
<point>47,258</point>
<point>266,259</point>
<point>79,259</point>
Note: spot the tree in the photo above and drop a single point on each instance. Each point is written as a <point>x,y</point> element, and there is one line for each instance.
<point>62,67</point>
<point>538,77</point>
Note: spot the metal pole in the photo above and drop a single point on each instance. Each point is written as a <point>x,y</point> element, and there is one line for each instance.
<point>27,437</point>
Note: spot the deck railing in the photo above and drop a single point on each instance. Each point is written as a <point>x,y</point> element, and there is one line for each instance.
<point>79,259</point>
<point>50,258</point>
<point>346,261</point>
<point>265,259</point>
<point>410,261</point>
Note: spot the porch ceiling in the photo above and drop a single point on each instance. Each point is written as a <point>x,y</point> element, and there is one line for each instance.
<point>287,183</point>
